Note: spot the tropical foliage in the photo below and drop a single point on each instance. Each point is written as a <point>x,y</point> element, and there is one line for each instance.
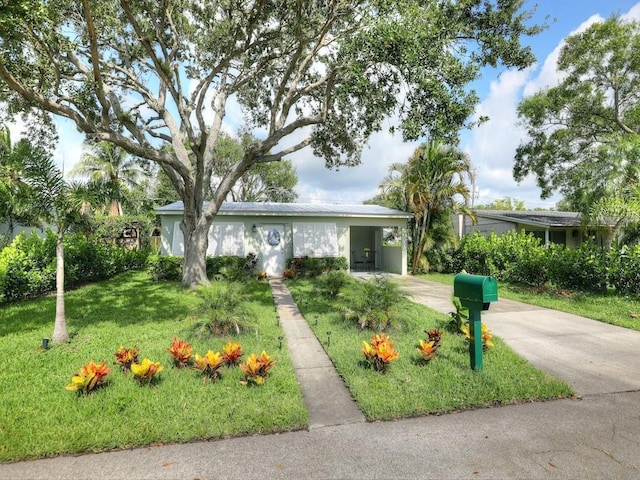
<point>181,352</point>
<point>110,170</point>
<point>431,185</point>
<point>257,368</point>
<point>90,377</point>
<point>209,365</point>
<point>380,352</point>
<point>145,372</point>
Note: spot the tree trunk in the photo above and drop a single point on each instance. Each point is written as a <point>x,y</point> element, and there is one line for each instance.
<point>196,242</point>
<point>60,333</point>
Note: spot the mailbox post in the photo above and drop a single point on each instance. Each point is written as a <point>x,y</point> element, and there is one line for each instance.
<point>476,292</point>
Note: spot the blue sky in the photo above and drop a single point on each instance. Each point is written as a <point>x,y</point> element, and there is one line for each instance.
<point>491,147</point>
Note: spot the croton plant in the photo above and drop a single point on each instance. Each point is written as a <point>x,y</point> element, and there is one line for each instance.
<point>89,377</point>
<point>256,368</point>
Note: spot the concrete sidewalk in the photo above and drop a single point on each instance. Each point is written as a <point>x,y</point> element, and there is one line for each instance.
<point>596,437</point>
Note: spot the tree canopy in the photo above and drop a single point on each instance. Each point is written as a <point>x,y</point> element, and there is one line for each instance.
<point>584,133</point>
<point>158,78</point>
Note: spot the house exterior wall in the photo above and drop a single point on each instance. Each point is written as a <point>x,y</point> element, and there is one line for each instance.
<point>344,228</point>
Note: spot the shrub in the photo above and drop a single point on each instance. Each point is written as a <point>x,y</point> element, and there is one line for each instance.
<point>371,303</point>
<point>222,307</point>
<point>125,357</point>
<point>90,377</point>
<point>165,267</point>
<point>231,352</point>
<point>28,265</point>
<point>146,371</point>
<point>380,353</point>
<point>209,365</point>
<point>314,266</point>
<point>583,268</point>
<point>331,282</point>
<point>624,269</point>
<point>257,368</point>
<point>180,352</point>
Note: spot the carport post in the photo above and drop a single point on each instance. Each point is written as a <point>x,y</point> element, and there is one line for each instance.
<point>475,344</point>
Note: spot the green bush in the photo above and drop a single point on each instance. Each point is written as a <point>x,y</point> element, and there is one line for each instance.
<point>583,268</point>
<point>28,264</point>
<point>624,269</point>
<point>314,266</point>
<point>331,282</point>
<point>222,310</point>
<point>169,267</point>
<point>371,304</point>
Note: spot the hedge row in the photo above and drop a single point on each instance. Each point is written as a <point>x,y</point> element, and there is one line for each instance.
<point>165,267</point>
<point>521,258</point>
<point>28,264</point>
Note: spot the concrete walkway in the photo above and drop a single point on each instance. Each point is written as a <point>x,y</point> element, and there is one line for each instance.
<point>596,437</point>
<point>327,398</point>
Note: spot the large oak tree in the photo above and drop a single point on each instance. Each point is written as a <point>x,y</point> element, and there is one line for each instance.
<point>156,77</point>
<point>584,133</point>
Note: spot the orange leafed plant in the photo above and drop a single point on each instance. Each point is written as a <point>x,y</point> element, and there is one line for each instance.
<point>210,364</point>
<point>487,337</point>
<point>145,371</point>
<point>89,377</point>
<point>427,350</point>
<point>231,353</point>
<point>181,352</point>
<point>380,353</point>
<point>125,357</point>
<point>256,368</point>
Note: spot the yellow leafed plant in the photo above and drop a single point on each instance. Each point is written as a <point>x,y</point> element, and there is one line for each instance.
<point>256,368</point>
<point>89,377</point>
<point>210,364</point>
<point>145,371</point>
<point>231,353</point>
<point>380,353</point>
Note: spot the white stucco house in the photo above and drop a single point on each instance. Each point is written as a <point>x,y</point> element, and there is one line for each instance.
<point>280,231</point>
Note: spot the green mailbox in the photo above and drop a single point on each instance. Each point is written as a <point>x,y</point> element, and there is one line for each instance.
<point>476,292</point>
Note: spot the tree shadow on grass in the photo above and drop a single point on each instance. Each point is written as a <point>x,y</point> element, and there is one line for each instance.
<point>127,299</point>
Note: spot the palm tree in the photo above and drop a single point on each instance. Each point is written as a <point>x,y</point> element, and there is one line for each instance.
<point>13,196</point>
<point>431,186</point>
<point>58,204</point>
<point>111,169</point>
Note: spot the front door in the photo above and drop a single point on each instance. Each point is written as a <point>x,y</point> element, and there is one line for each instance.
<point>273,261</point>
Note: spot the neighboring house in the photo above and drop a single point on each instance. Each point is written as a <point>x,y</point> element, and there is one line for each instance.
<point>550,226</point>
<point>280,231</point>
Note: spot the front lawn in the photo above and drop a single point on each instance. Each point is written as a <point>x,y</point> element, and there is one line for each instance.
<point>623,311</point>
<point>41,418</point>
<point>411,388</point>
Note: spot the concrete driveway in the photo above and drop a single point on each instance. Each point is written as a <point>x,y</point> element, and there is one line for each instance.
<point>591,356</point>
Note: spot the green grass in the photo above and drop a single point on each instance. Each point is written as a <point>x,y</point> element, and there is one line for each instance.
<point>409,388</point>
<point>605,307</point>
<point>41,418</point>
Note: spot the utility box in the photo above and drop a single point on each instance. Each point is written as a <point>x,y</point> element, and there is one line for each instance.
<point>475,291</point>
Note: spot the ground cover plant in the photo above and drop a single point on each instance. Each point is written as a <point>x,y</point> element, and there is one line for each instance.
<point>41,418</point>
<point>608,307</point>
<point>410,386</point>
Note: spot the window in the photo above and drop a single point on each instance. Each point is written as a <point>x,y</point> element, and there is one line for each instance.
<point>315,240</point>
